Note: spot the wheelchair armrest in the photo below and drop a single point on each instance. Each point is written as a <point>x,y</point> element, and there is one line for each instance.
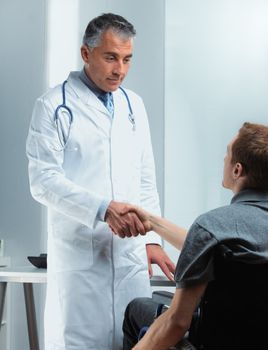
<point>162,297</point>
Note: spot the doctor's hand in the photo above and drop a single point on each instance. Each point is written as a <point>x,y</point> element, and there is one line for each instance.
<point>142,214</point>
<point>156,255</point>
<point>124,225</point>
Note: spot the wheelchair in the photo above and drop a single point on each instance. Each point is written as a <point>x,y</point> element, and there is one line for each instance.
<point>232,314</point>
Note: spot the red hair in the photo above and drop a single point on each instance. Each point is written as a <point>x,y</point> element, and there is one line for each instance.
<point>251,150</point>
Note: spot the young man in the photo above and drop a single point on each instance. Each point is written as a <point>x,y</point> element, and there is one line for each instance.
<point>242,226</point>
<point>88,154</point>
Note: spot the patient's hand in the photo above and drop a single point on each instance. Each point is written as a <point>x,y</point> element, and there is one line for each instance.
<point>143,215</point>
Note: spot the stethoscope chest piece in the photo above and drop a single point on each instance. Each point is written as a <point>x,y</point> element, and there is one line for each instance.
<point>131,116</point>
<point>132,121</point>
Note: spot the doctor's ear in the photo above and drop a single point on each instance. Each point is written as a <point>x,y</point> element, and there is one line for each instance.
<point>85,53</point>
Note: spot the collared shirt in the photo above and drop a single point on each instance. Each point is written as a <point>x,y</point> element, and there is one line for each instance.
<point>102,95</point>
<point>242,226</point>
<point>96,91</point>
<point>89,83</point>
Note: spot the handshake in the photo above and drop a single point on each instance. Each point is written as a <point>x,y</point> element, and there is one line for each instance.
<point>126,220</point>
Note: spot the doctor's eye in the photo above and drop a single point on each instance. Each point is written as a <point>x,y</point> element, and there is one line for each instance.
<point>127,60</point>
<point>109,58</point>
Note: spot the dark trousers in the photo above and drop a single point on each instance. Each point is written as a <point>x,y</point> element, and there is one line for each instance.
<point>140,312</point>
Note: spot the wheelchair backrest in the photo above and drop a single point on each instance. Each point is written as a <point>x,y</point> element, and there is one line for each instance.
<point>234,310</point>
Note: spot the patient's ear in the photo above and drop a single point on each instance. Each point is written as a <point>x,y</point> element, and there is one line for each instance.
<point>238,171</point>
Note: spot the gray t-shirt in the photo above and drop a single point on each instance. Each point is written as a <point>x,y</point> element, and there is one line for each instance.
<point>242,226</point>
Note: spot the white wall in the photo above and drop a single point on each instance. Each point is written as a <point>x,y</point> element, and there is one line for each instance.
<point>62,40</point>
<point>22,52</point>
<point>216,78</point>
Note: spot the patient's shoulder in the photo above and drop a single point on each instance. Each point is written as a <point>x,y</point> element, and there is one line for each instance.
<point>219,222</point>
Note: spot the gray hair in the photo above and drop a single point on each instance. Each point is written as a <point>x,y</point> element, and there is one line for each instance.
<point>107,21</point>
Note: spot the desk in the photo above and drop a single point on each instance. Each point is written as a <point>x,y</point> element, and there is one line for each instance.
<point>27,276</point>
<point>161,281</point>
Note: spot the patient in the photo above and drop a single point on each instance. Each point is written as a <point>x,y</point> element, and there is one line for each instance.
<point>243,227</point>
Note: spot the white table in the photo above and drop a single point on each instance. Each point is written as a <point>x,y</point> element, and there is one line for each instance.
<point>27,276</point>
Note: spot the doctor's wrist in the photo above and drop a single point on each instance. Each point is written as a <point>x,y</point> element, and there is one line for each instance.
<point>101,214</point>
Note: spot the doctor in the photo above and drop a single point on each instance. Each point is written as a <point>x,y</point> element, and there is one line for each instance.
<point>86,159</point>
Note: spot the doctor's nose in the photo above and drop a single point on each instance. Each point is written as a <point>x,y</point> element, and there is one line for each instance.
<point>119,68</point>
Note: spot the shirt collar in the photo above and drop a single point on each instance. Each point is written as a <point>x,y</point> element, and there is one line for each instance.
<point>90,84</point>
<point>250,195</point>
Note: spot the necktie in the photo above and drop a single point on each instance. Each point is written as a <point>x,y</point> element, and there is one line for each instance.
<point>107,100</point>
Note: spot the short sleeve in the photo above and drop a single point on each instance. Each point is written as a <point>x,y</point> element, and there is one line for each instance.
<point>195,264</point>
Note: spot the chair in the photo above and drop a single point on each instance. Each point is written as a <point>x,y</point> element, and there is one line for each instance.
<point>234,309</point>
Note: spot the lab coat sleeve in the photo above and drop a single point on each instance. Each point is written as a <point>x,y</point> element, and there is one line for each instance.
<point>149,196</point>
<point>48,182</point>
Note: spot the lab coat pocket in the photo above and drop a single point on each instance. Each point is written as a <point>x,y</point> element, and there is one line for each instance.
<point>138,256</point>
<point>135,259</point>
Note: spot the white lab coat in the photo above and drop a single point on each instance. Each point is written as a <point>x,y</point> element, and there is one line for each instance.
<point>92,274</point>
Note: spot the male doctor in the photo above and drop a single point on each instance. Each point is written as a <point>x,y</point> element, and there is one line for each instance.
<point>86,159</point>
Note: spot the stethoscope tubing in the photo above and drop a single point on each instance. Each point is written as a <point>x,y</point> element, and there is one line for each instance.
<point>63,105</point>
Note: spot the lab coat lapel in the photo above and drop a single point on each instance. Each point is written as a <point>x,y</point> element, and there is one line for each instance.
<point>86,96</point>
<point>120,106</point>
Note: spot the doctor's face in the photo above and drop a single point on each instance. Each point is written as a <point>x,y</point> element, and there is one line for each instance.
<point>108,64</point>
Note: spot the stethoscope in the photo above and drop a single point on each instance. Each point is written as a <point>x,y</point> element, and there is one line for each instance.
<point>64,108</point>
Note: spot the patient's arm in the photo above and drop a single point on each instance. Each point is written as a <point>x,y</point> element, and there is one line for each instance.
<point>171,326</point>
<point>170,232</point>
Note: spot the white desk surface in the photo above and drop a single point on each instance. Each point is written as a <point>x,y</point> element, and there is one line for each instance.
<point>31,274</point>
<point>23,274</point>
